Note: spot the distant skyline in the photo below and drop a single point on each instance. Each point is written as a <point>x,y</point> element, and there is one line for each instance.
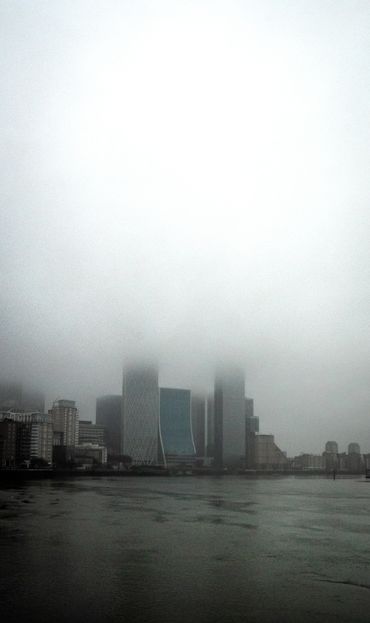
<point>189,181</point>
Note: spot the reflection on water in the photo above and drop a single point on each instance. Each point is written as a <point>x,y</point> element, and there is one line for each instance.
<point>185,549</point>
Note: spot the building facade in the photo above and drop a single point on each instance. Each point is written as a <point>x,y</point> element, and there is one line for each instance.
<point>109,415</point>
<point>252,427</point>
<point>229,419</point>
<point>90,433</point>
<point>140,415</point>
<point>32,434</point>
<point>176,426</point>
<point>198,422</point>
<point>64,416</point>
<point>268,455</point>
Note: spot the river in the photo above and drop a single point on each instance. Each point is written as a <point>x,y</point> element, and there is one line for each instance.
<point>185,549</point>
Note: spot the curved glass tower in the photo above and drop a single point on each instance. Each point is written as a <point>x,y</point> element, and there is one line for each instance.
<point>175,425</point>
<point>140,415</point>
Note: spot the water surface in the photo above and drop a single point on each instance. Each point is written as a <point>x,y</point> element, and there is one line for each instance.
<point>185,549</point>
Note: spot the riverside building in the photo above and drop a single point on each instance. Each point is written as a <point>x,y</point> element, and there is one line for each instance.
<point>109,415</point>
<point>229,419</point>
<point>140,415</point>
<point>176,427</point>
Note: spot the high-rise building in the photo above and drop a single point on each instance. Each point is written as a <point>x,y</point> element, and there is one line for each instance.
<point>198,422</point>
<point>175,426</point>
<point>64,416</point>
<point>210,428</point>
<point>229,409</point>
<point>140,415</point>
<point>251,429</point>
<point>109,415</point>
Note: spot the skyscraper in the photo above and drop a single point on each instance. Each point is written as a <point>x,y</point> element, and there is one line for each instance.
<point>175,425</point>
<point>140,414</point>
<point>251,429</point>
<point>109,415</point>
<point>229,418</point>
<point>198,423</point>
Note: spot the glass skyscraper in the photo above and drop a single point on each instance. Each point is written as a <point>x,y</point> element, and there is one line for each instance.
<point>229,419</point>
<point>140,414</point>
<point>175,425</point>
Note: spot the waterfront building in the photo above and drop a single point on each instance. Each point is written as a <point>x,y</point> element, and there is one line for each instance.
<point>309,462</point>
<point>175,426</point>
<point>354,448</point>
<point>64,416</point>
<point>229,419</point>
<point>89,454</point>
<point>331,456</point>
<point>140,415</point>
<point>268,455</point>
<point>355,461</point>
<point>109,415</point>
<point>90,433</point>
<point>8,443</point>
<point>198,423</point>
<point>252,427</point>
<point>331,447</point>
<point>210,428</point>
<point>33,436</point>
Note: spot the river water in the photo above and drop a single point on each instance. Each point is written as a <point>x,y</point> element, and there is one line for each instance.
<point>184,549</point>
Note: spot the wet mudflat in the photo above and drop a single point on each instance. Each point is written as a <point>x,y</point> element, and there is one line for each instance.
<point>185,549</point>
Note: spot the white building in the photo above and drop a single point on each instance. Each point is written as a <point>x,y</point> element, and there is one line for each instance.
<point>64,416</point>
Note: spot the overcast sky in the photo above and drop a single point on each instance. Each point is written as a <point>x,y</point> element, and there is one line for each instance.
<point>190,180</point>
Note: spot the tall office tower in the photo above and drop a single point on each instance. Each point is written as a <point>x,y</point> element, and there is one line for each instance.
<point>64,416</point>
<point>109,415</point>
<point>175,426</point>
<point>210,432</point>
<point>198,423</point>
<point>251,430</point>
<point>230,419</point>
<point>140,414</point>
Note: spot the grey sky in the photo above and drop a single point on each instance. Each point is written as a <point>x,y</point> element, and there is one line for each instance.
<point>190,179</point>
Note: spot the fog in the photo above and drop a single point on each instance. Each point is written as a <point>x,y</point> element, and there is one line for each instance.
<point>189,181</point>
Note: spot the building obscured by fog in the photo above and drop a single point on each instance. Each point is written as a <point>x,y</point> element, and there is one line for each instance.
<point>198,422</point>
<point>109,415</point>
<point>229,418</point>
<point>16,397</point>
<point>140,414</point>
